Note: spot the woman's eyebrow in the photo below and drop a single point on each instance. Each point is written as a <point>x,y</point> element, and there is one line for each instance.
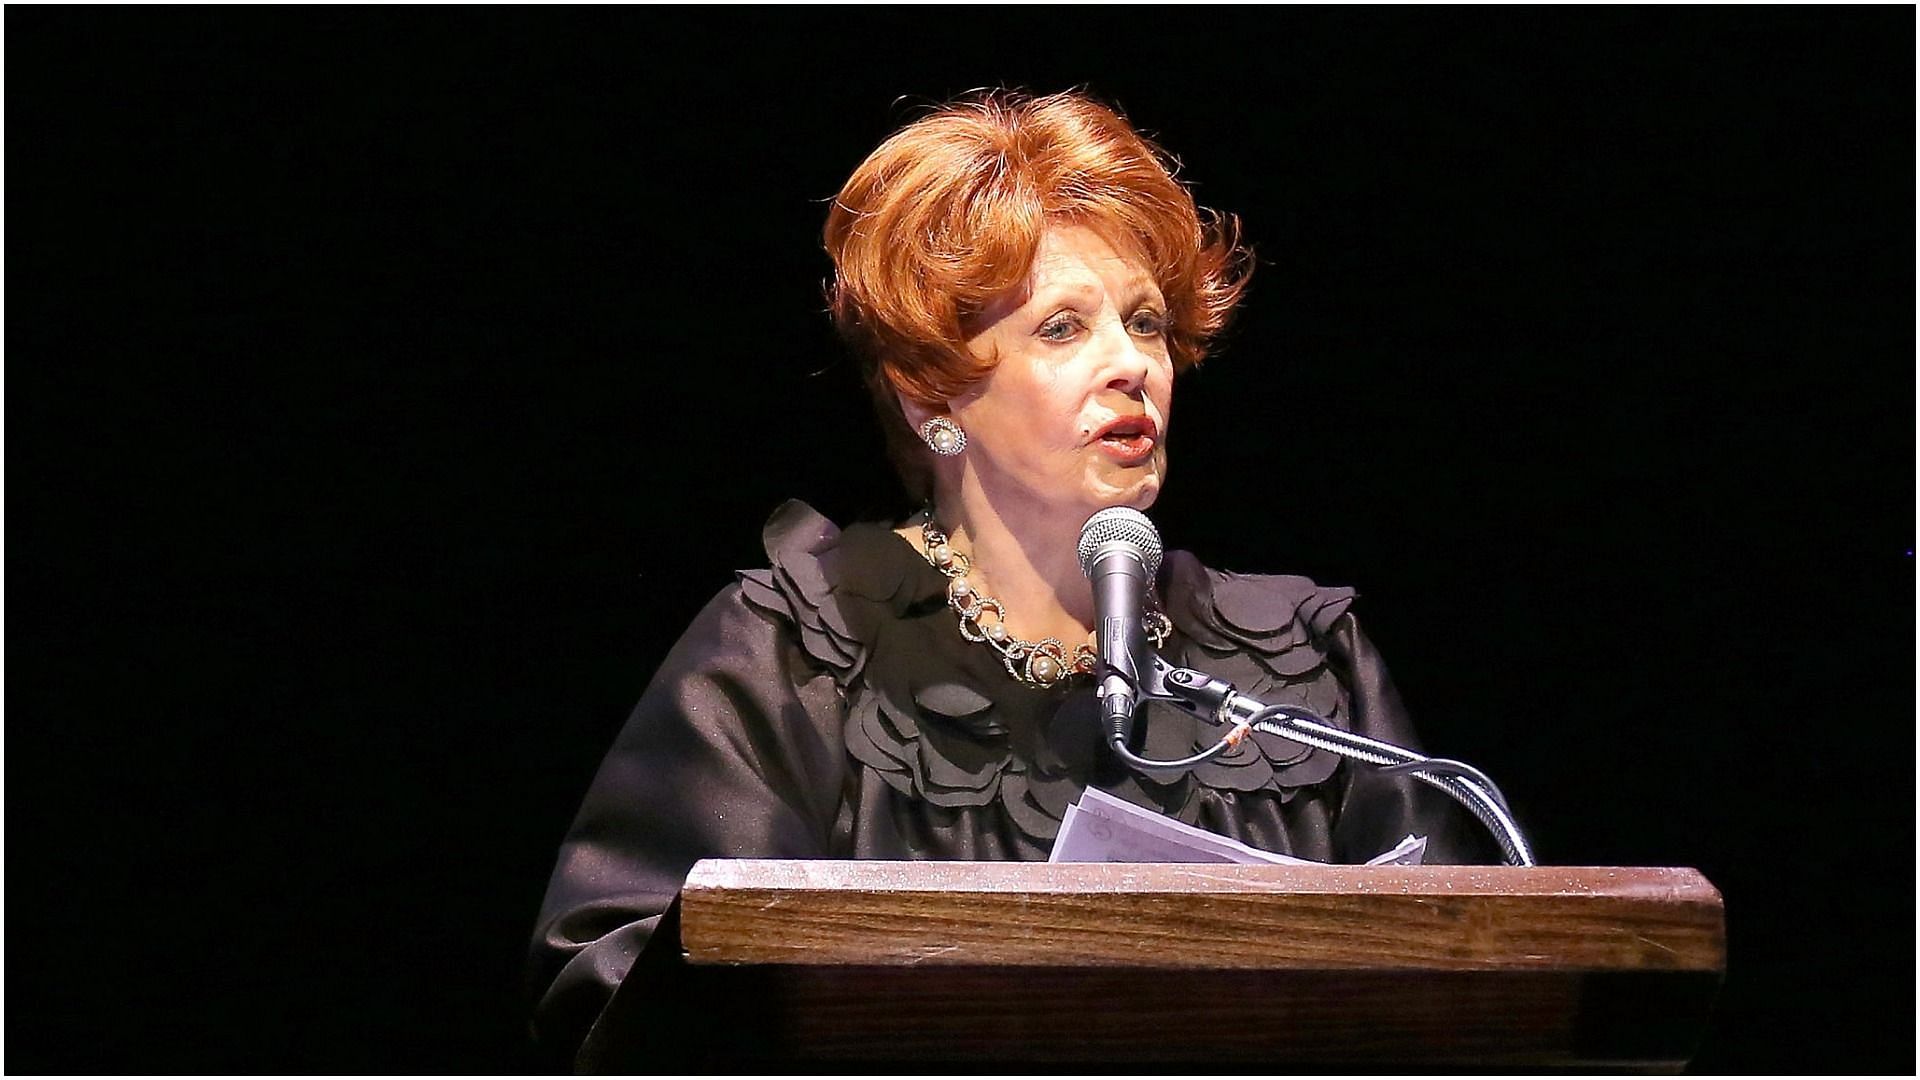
<point>1135,290</point>
<point>1142,285</point>
<point>1066,290</point>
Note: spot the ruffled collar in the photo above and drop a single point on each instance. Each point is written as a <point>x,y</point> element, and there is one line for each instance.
<point>938,719</point>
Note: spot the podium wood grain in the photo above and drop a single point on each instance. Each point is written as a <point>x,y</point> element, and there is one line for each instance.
<point>917,965</point>
<point>1222,917</point>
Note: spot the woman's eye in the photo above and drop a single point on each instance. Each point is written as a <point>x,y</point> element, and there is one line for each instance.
<point>1059,328</point>
<point>1148,323</point>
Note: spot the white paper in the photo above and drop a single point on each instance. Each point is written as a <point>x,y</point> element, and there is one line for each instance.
<point>1087,837</point>
<point>1407,852</point>
<point>1106,828</point>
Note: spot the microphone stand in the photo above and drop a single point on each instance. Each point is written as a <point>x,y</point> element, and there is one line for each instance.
<point>1215,700</point>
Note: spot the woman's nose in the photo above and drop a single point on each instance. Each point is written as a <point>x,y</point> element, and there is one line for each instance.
<point>1129,366</point>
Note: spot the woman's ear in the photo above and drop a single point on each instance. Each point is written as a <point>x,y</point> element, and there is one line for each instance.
<point>916,413</point>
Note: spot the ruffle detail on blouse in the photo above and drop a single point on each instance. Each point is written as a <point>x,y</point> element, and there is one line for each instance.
<point>836,588</point>
<point>939,719</point>
<point>1265,634</point>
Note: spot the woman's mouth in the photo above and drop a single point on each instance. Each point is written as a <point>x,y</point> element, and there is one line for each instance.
<point>1128,440</point>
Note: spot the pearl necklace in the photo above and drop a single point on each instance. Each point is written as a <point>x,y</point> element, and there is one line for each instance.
<point>1039,664</point>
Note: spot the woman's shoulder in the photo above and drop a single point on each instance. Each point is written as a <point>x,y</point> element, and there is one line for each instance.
<point>835,586</point>
<point>1266,612</point>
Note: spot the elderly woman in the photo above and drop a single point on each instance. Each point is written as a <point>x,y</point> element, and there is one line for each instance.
<point>1023,280</point>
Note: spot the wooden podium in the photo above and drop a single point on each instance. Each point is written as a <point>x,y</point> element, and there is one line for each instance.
<point>912,965</point>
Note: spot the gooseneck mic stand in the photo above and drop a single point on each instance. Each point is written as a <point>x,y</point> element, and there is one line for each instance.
<point>1217,701</point>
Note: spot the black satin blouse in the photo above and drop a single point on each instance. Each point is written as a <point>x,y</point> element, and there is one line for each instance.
<point>828,708</point>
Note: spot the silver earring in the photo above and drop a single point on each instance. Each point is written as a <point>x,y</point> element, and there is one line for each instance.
<point>943,436</point>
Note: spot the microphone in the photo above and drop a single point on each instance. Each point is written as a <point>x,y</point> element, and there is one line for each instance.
<point>1120,554</point>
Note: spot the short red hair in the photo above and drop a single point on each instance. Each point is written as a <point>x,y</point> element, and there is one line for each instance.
<point>948,212</point>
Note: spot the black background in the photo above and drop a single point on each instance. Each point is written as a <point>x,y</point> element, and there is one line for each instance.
<point>386,392</point>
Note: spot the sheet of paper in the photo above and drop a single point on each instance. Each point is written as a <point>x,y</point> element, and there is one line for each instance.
<point>1086,837</point>
<point>1140,831</point>
<point>1407,852</point>
<point>1106,828</point>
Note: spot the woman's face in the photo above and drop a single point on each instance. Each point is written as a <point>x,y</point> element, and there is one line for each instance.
<point>1074,415</point>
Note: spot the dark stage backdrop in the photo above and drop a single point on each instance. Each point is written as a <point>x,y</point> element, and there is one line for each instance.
<point>385,393</point>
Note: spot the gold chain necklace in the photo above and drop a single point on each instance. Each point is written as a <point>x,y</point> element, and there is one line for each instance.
<point>1039,664</point>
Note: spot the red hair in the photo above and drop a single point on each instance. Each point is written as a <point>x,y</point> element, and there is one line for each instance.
<point>948,212</point>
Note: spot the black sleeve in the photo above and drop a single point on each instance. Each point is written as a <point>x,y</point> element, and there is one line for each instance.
<point>1377,811</point>
<point>733,751</point>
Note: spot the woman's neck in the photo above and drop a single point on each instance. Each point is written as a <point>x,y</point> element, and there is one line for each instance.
<point>1024,554</point>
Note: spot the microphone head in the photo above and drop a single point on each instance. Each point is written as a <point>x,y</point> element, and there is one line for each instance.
<point>1123,525</point>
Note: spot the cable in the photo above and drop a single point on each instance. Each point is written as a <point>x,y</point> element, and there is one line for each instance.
<point>1120,747</point>
<point>1465,784</point>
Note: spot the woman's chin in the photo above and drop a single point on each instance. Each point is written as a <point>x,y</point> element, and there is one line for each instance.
<point>1138,491</point>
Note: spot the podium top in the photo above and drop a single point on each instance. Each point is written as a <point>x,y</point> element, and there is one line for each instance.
<point>1220,916</point>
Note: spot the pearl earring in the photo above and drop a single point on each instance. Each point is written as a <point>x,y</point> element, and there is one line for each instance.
<point>943,436</point>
